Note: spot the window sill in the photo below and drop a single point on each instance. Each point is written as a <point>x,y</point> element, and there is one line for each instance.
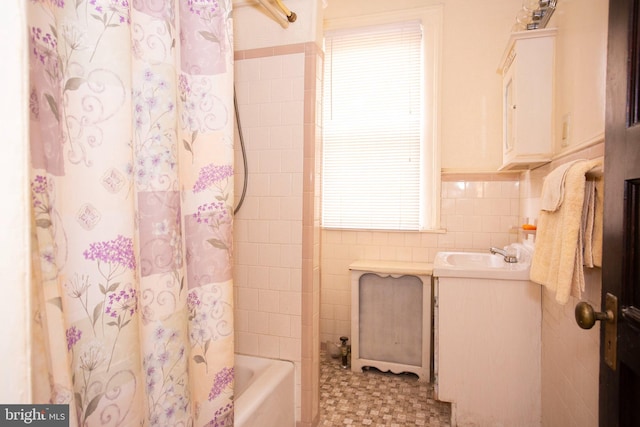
<point>429,231</point>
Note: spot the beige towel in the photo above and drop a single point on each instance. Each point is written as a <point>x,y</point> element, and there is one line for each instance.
<point>558,258</point>
<point>588,221</point>
<point>596,246</point>
<point>553,187</point>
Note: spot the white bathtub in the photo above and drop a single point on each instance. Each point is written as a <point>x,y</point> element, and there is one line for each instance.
<point>264,392</point>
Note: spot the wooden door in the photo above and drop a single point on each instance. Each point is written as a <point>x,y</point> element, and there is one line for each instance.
<point>620,379</point>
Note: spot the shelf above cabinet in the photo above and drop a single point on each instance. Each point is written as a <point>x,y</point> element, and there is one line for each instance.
<point>519,163</point>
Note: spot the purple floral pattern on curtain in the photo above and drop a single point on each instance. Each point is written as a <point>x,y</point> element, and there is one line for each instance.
<point>131,188</point>
<point>204,38</point>
<point>46,135</point>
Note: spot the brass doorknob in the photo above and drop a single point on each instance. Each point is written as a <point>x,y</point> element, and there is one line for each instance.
<point>586,316</point>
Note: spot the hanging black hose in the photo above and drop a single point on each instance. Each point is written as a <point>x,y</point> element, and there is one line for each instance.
<point>244,154</point>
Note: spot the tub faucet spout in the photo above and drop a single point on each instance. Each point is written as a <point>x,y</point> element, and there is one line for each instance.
<point>509,256</point>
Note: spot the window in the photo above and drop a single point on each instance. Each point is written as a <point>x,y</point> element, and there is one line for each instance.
<point>380,162</point>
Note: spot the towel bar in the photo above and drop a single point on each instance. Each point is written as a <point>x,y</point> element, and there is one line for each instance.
<point>595,173</point>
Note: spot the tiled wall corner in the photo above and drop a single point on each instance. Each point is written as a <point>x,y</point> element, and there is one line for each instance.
<point>310,387</point>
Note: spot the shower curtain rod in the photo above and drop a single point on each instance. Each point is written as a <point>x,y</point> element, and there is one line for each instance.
<point>291,16</point>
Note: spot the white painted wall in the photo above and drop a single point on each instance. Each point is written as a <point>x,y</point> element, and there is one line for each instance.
<point>14,216</point>
<point>475,36</point>
<point>254,27</point>
<point>581,65</point>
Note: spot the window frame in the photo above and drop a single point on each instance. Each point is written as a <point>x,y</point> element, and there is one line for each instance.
<point>431,20</point>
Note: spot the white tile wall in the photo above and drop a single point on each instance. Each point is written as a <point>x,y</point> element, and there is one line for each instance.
<point>268,228</point>
<point>479,214</point>
<point>475,214</point>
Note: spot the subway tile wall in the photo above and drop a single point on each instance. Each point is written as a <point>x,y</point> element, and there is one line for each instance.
<point>276,232</point>
<point>476,213</point>
<point>268,226</point>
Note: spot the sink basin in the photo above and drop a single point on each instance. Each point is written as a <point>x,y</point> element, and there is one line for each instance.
<point>473,260</point>
<point>481,265</point>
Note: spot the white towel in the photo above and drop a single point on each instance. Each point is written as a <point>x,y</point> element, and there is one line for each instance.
<point>561,234</point>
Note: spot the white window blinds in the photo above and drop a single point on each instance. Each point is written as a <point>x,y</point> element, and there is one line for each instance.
<point>372,123</point>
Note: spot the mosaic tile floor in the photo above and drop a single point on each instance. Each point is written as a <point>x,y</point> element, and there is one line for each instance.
<point>374,398</point>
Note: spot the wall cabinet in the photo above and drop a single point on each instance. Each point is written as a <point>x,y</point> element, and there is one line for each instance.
<point>527,69</point>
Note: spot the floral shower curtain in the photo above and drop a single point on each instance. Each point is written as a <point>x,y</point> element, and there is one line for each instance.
<point>131,183</point>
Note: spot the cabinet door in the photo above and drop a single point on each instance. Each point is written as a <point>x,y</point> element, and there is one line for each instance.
<point>488,350</point>
<point>527,100</point>
<point>509,111</point>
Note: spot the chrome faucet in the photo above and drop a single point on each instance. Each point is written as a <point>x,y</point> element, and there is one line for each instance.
<point>509,256</point>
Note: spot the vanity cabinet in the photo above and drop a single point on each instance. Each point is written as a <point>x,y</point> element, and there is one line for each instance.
<point>488,350</point>
<point>527,69</point>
